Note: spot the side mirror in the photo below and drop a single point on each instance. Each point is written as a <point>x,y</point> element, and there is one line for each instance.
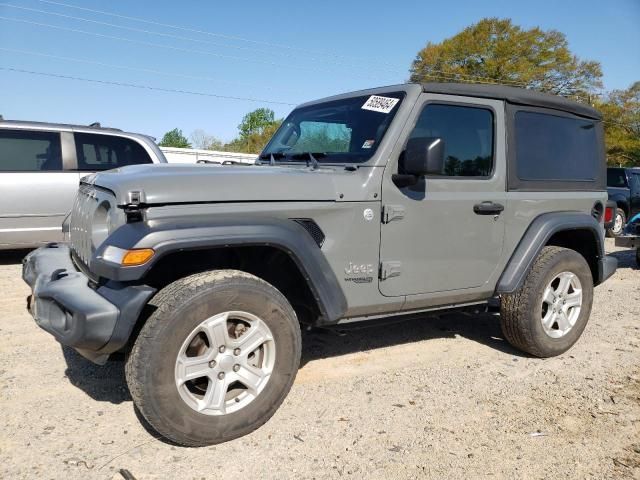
<point>423,156</point>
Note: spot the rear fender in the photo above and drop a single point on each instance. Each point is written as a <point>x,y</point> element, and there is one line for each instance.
<point>535,239</point>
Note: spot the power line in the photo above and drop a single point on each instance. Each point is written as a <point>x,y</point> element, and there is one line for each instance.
<point>151,32</point>
<point>451,76</point>
<point>202,32</point>
<point>123,27</point>
<point>454,76</point>
<point>144,87</point>
<point>158,45</point>
<point>443,76</point>
<point>134,69</point>
<point>458,76</point>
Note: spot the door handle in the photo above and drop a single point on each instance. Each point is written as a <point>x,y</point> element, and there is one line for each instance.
<point>488,208</point>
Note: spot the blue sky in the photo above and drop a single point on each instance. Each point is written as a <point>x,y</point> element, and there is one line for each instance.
<point>297,51</point>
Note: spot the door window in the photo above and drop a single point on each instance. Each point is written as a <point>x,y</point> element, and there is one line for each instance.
<point>102,152</point>
<point>467,133</point>
<point>29,151</point>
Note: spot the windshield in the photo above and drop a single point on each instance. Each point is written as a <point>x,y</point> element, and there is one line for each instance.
<point>341,131</point>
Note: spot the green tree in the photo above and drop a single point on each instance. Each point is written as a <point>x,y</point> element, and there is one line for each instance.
<point>495,50</point>
<point>255,130</point>
<point>621,112</point>
<point>256,122</point>
<point>174,138</point>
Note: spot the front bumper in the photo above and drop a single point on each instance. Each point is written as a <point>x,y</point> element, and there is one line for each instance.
<point>95,320</point>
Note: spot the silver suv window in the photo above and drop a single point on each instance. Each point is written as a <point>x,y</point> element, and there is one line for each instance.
<point>102,152</point>
<point>29,151</point>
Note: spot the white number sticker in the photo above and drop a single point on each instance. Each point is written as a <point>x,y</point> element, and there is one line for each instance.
<point>376,103</point>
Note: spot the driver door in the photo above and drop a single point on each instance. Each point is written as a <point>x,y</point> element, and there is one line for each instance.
<point>435,241</point>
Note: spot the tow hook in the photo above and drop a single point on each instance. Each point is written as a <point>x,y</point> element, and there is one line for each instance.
<point>58,274</point>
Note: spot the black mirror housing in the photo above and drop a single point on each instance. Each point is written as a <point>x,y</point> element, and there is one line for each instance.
<point>424,156</point>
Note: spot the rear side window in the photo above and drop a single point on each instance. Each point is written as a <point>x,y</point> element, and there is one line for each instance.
<point>616,178</point>
<point>550,147</point>
<point>29,151</point>
<point>103,152</point>
<point>467,133</point>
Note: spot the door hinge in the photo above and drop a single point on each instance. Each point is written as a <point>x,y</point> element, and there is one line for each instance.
<point>390,269</point>
<point>392,212</point>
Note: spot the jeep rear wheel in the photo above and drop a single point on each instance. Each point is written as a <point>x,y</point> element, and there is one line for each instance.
<point>548,313</point>
<point>216,358</point>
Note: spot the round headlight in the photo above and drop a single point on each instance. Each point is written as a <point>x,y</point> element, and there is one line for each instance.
<point>100,226</point>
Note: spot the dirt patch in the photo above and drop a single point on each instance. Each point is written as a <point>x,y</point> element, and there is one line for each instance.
<point>442,397</point>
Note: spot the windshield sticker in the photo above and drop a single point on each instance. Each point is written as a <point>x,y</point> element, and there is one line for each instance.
<point>368,143</point>
<point>376,103</point>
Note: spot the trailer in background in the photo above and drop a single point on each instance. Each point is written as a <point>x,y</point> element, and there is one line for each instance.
<point>630,238</point>
<point>192,155</point>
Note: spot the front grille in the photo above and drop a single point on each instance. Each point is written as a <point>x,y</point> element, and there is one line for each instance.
<point>80,223</point>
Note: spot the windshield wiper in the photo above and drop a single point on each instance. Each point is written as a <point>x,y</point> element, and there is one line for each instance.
<point>311,157</point>
<point>271,157</point>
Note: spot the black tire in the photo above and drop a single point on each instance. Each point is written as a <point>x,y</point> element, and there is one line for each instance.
<point>521,312</point>
<point>180,308</point>
<point>638,257</point>
<point>612,232</point>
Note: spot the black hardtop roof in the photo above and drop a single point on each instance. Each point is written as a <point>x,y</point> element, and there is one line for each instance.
<point>517,96</point>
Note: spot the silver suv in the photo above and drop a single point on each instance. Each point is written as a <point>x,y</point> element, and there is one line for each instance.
<point>40,168</point>
<point>400,200</point>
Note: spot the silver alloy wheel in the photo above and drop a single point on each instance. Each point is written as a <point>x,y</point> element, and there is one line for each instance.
<point>561,304</point>
<point>225,363</point>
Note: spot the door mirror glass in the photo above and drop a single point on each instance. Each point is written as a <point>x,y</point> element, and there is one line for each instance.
<point>424,156</point>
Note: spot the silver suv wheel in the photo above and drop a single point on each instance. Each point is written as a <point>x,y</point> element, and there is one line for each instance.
<point>225,362</point>
<point>561,304</point>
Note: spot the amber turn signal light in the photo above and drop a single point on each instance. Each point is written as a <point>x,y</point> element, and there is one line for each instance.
<point>137,257</point>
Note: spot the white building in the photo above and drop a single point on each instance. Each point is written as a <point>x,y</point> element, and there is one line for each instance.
<point>192,155</point>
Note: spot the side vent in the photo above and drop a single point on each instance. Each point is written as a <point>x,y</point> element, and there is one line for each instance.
<point>312,227</point>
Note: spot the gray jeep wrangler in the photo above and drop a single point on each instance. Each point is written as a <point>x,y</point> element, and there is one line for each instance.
<point>392,201</point>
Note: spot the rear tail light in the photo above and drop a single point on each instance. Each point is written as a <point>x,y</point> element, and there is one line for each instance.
<point>608,215</point>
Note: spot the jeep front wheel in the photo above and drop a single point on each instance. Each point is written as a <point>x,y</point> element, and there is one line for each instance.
<point>215,359</point>
<point>548,313</point>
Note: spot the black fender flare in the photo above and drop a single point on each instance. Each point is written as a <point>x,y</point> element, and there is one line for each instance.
<point>170,235</point>
<point>536,237</point>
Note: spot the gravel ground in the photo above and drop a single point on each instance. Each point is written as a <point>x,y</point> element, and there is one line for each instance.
<point>435,398</point>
